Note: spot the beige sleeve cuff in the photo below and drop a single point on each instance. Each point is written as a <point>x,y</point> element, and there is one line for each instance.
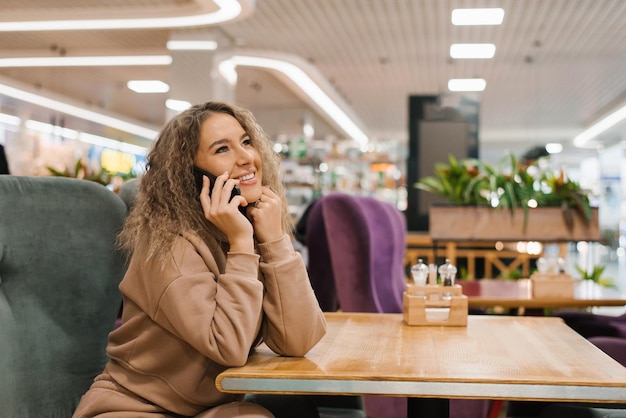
<point>277,250</point>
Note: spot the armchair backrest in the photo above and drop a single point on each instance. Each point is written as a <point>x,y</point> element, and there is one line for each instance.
<point>615,347</point>
<point>59,272</point>
<point>356,250</point>
<point>128,191</point>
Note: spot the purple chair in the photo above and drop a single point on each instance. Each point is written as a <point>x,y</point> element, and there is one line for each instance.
<point>613,346</point>
<point>356,250</point>
<point>590,325</point>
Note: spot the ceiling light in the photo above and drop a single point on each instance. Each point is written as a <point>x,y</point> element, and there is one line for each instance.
<point>177,105</point>
<point>472,51</point>
<point>148,86</point>
<point>309,87</point>
<point>99,61</point>
<point>191,45</point>
<point>554,148</point>
<point>78,112</point>
<point>9,119</point>
<point>491,16</point>
<point>228,70</point>
<point>308,130</point>
<point>467,84</point>
<point>228,10</point>
<point>112,143</point>
<point>48,128</point>
<point>600,126</point>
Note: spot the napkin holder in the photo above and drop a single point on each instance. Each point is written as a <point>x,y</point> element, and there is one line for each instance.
<point>419,303</point>
<point>552,285</point>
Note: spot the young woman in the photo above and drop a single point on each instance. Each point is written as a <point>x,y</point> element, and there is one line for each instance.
<point>209,277</point>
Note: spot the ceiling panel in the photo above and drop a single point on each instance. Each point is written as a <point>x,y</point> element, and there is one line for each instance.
<point>559,64</point>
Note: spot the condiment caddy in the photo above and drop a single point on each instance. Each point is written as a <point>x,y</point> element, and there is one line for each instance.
<point>427,302</point>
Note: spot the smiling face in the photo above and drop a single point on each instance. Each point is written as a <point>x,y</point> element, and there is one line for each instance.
<point>226,146</point>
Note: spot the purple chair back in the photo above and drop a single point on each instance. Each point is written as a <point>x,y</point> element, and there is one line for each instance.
<point>320,270</point>
<point>613,346</point>
<point>356,250</point>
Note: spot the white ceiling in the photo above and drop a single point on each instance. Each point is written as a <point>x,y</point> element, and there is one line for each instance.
<point>559,64</point>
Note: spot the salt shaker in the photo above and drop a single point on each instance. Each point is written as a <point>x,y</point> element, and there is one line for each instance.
<point>420,273</point>
<point>447,272</point>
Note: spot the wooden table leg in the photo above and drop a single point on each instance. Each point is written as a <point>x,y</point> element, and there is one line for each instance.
<point>428,408</point>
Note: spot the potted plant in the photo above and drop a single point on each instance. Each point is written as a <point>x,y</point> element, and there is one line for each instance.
<point>595,275</point>
<point>532,197</point>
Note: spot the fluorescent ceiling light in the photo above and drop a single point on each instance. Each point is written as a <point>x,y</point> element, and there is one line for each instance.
<point>228,70</point>
<point>305,83</point>
<point>78,112</point>
<point>51,129</point>
<point>600,126</point>
<point>554,148</point>
<point>228,10</point>
<point>308,130</point>
<point>191,45</point>
<point>112,143</point>
<point>491,16</point>
<point>467,84</point>
<point>177,105</point>
<point>482,51</point>
<point>9,119</point>
<point>148,86</point>
<point>99,61</point>
<point>85,137</point>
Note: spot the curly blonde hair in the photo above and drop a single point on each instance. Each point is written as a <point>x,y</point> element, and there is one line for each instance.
<point>167,202</point>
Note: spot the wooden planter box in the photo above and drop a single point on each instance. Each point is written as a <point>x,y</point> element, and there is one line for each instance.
<point>552,286</point>
<point>463,223</point>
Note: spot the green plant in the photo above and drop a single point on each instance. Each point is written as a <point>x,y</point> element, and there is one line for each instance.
<point>595,275</point>
<point>510,185</point>
<point>82,171</point>
<point>514,274</point>
<point>459,182</point>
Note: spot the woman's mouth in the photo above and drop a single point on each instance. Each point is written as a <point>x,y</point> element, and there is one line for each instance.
<point>246,177</point>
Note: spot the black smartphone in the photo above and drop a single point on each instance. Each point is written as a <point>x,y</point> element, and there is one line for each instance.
<point>198,173</point>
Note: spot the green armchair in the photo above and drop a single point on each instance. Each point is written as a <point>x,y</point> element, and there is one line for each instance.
<point>59,272</point>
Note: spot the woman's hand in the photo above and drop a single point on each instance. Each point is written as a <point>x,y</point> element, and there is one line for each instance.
<point>225,215</point>
<point>266,214</point>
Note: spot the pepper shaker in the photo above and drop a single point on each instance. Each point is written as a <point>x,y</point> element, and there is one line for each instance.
<point>447,272</point>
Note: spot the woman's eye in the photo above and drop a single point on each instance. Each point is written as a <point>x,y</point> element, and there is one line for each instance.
<point>247,141</point>
<point>222,149</point>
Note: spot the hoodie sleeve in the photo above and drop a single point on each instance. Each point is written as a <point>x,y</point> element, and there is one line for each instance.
<point>293,322</point>
<point>219,315</point>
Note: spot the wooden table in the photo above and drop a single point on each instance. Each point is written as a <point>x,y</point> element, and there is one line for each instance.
<point>494,357</point>
<point>517,294</point>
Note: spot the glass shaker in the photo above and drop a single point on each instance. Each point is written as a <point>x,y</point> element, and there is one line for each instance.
<point>447,272</point>
<point>420,273</point>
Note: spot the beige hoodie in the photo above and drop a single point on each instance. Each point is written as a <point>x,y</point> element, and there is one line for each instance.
<point>185,323</point>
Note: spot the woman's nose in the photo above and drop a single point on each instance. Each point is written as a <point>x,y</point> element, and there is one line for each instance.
<point>244,156</point>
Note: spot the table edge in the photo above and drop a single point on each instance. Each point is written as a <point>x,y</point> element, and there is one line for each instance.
<point>463,390</point>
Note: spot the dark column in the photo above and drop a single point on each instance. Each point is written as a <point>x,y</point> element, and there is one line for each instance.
<point>435,132</point>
